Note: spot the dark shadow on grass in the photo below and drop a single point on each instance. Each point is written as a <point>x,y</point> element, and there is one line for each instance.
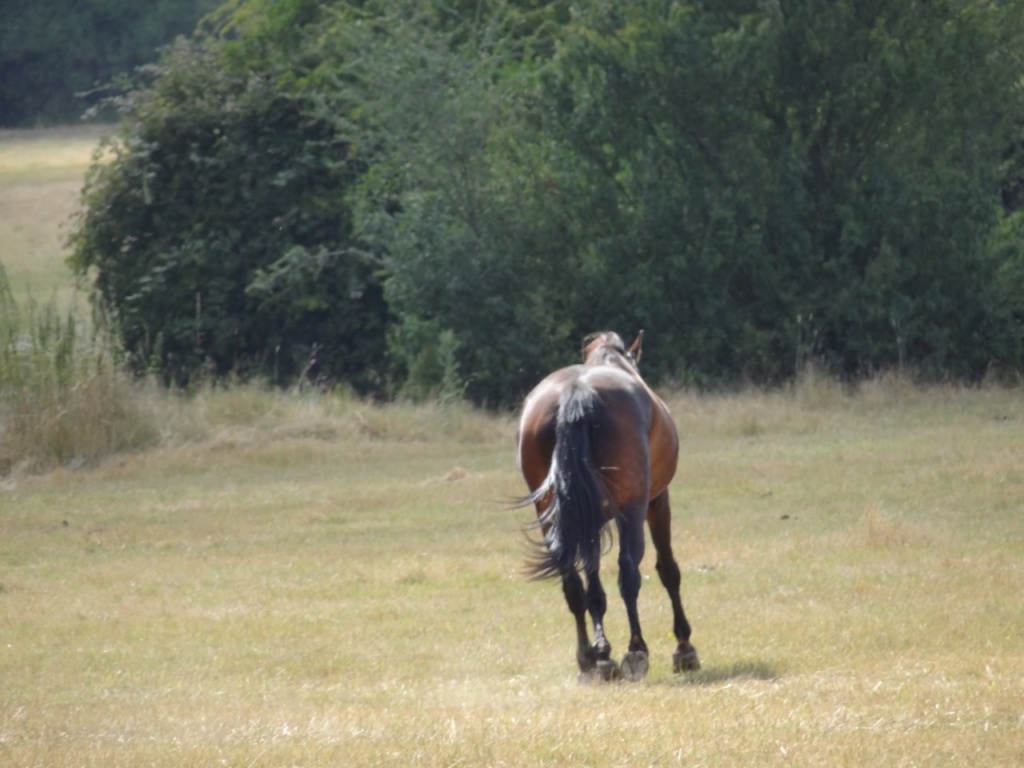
<point>738,670</point>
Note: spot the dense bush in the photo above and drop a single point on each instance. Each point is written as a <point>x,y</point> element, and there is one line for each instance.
<point>217,230</point>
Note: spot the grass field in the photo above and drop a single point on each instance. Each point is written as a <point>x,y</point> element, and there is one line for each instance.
<point>41,174</point>
<point>315,581</point>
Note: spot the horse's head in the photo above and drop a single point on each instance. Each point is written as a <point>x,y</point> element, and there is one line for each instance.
<point>607,348</point>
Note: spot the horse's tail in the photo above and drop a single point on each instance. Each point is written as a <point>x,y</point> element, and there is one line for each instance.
<point>575,517</point>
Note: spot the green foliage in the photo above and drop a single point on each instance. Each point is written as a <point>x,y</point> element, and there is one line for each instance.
<point>759,187</point>
<point>811,180</point>
<point>455,202</point>
<point>452,194</point>
<point>217,230</point>
<point>430,358</point>
<point>896,116</point>
<point>57,57</point>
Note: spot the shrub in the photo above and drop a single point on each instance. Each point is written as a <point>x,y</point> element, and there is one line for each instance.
<point>217,229</point>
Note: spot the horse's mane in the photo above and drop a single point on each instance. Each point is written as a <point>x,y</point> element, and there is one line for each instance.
<point>610,351</point>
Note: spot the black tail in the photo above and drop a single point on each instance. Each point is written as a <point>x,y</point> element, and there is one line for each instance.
<point>575,518</point>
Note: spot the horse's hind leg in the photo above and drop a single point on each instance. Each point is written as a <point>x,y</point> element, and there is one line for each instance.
<point>590,658</point>
<point>659,519</point>
<point>576,599</point>
<point>631,552</point>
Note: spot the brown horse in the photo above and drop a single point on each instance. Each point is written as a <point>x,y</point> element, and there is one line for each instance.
<point>596,444</point>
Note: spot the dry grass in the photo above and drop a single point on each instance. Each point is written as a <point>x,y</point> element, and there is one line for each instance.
<point>41,174</point>
<point>297,588</point>
<point>39,155</point>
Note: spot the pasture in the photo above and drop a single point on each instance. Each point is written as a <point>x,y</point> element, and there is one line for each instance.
<point>41,175</point>
<point>310,580</point>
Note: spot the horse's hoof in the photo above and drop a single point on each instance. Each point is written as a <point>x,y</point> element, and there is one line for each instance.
<point>635,666</point>
<point>685,661</point>
<point>608,670</point>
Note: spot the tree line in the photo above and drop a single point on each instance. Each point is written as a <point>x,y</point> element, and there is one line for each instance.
<point>441,198</point>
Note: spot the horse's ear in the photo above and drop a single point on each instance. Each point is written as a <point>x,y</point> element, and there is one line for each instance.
<point>635,348</point>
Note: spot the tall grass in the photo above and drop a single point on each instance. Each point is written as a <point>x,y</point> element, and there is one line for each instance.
<point>63,399</point>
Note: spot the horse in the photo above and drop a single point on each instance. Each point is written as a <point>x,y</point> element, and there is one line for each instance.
<point>596,444</point>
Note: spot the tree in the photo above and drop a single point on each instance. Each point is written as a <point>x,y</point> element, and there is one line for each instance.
<point>798,179</point>
<point>449,205</point>
<point>902,139</point>
<point>468,188</point>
